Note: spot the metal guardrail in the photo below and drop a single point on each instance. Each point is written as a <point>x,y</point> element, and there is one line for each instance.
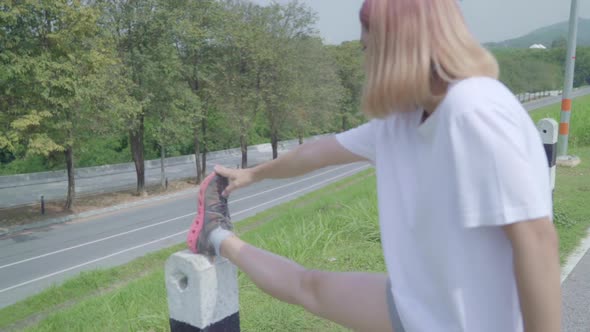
<point>530,96</point>
<point>23,180</point>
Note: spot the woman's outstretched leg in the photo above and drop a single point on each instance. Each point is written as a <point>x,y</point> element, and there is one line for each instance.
<point>354,300</point>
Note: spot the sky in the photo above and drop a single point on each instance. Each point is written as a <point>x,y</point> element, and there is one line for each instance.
<point>489,20</point>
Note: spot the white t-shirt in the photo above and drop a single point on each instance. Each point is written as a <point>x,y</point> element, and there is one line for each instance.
<point>444,187</point>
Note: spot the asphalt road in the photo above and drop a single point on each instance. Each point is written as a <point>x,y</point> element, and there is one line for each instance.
<point>536,104</point>
<point>32,261</point>
<point>576,298</point>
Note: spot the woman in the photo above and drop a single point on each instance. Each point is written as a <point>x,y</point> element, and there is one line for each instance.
<point>463,188</point>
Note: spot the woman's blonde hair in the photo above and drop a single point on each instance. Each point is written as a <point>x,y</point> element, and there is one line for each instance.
<point>410,42</point>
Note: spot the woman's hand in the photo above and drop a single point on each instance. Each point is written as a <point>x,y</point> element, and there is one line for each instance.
<point>238,178</point>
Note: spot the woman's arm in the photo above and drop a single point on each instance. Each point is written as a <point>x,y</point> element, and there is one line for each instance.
<point>304,159</point>
<point>535,246</point>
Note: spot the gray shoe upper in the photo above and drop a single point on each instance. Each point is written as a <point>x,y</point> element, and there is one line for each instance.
<point>216,214</point>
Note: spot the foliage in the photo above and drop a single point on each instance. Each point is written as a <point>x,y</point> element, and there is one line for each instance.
<point>123,80</point>
<point>348,58</point>
<point>54,63</point>
<point>579,122</point>
<point>535,70</point>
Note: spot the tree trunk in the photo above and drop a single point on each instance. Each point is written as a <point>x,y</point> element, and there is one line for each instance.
<point>300,139</point>
<point>204,150</point>
<point>274,142</point>
<point>343,122</point>
<point>203,163</point>
<point>244,148</point>
<point>71,178</point>
<point>198,154</point>
<point>162,167</point>
<point>136,140</point>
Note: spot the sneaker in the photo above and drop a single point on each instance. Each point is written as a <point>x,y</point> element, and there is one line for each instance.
<point>212,213</point>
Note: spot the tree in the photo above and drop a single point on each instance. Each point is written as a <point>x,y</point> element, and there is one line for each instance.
<point>195,34</point>
<point>171,101</point>
<point>524,70</point>
<point>53,57</point>
<point>560,42</point>
<point>134,79</point>
<point>582,72</point>
<point>237,68</point>
<point>277,72</point>
<point>315,96</point>
<point>348,58</point>
<point>145,45</point>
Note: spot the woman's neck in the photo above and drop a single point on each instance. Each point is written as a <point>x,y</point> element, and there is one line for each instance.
<point>439,90</point>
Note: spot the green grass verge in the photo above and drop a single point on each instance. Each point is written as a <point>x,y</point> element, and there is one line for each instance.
<point>100,283</point>
<point>85,285</point>
<point>331,229</point>
<point>580,120</point>
<point>572,192</point>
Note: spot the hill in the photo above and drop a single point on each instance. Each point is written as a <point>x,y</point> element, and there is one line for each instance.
<point>547,35</point>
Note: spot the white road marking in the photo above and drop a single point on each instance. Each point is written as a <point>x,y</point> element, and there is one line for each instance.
<point>158,223</point>
<point>163,238</point>
<point>89,262</point>
<point>300,190</point>
<point>95,241</point>
<point>575,258</point>
<point>286,185</point>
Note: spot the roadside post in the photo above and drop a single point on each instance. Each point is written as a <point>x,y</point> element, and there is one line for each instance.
<point>202,294</point>
<point>549,133</point>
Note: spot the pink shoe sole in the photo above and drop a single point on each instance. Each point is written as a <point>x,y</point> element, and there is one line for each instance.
<point>197,226</point>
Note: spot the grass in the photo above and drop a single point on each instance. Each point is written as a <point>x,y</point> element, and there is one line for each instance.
<point>87,284</point>
<point>580,120</point>
<point>572,192</point>
<point>331,229</point>
<point>132,297</point>
<point>572,195</point>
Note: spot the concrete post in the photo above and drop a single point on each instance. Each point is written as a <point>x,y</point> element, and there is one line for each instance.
<point>549,133</point>
<point>202,295</point>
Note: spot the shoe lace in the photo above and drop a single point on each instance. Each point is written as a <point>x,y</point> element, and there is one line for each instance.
<point>219,207</point>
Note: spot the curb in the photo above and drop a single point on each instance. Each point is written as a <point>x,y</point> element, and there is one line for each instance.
<point>55,221</point>
<point>575,257</point>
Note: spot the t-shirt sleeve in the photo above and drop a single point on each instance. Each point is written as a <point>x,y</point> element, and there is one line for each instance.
<point>360,140</point>
<point>502,174</point>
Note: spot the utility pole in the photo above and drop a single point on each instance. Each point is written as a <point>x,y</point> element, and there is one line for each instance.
<point>566,104</point>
